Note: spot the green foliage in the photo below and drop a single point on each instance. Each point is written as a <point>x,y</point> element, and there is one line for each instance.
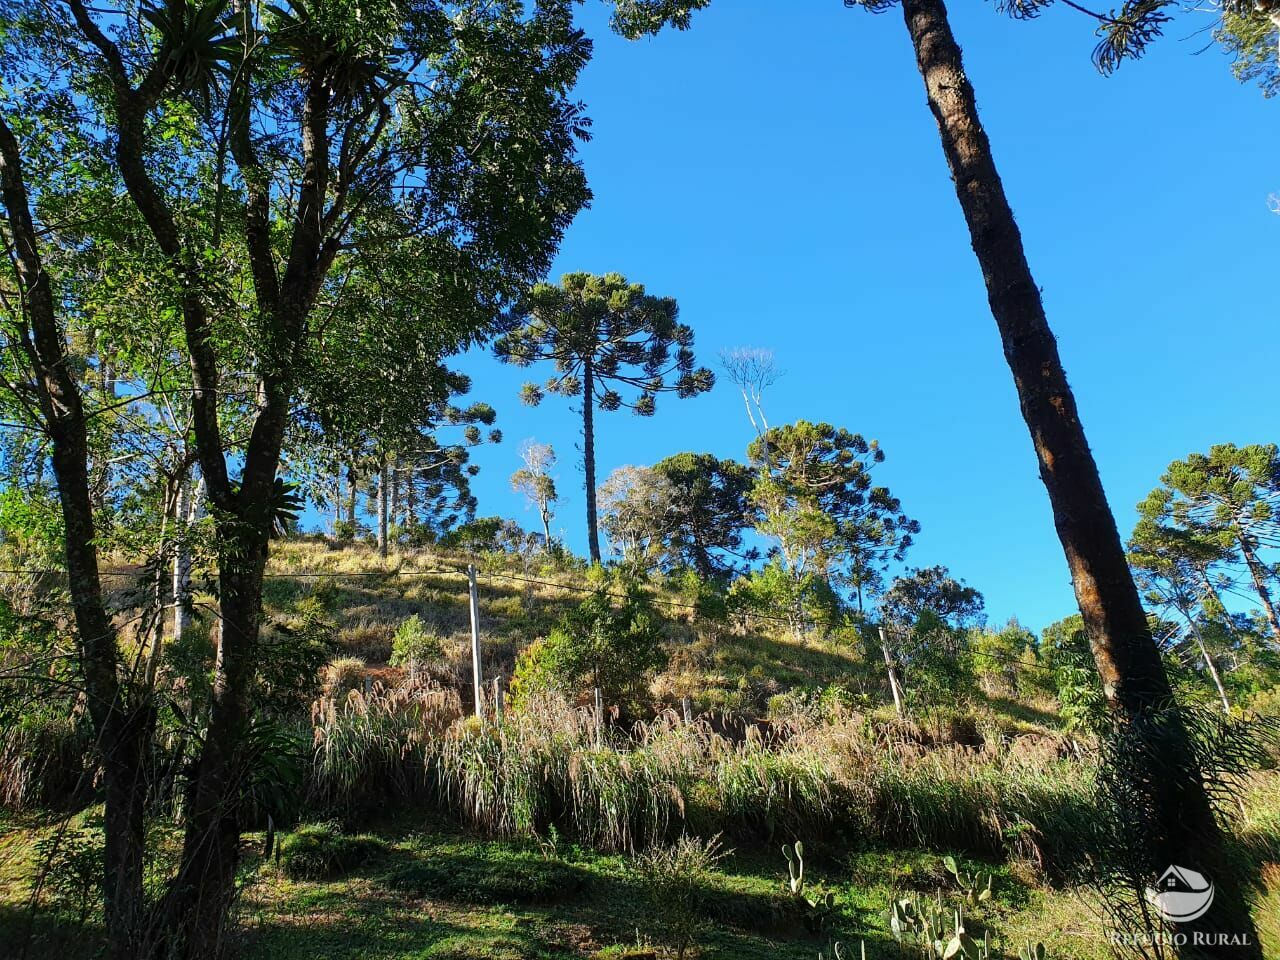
<point>1064,649</point>
<point>292,655</point>
<point>31,531</point>
<point>610,642</point>
<point>414,645</point>
<point>1004,658</point>
<point>816,498</point>
<point>486,535</point>
<point>1250,37</point>
<point>319,851</point>
<point>713,508</point>
<point>612,331</point>
<point>71,859</point>
<point>675,878</point>
<point>933,590</point>
<point>638,18</point>
<point>806,599</point>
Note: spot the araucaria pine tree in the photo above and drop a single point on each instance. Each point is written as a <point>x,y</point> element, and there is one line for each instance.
<point>605,335</point>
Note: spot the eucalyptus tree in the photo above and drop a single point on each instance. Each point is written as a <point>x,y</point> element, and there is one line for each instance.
<point>535,482</point>
<point>285,146</point>
<point>1180,820</point>
<point>604,335</point>
<point>1222,507</point>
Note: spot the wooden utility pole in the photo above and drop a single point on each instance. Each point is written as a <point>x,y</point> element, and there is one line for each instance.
<point>475,639</point>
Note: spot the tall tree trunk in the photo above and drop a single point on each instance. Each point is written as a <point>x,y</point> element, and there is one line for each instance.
<point>589,457</point>
<point>384,502</point>
<point>121,728</point>
<point>188,514</point>
<point>351,497</point>
<point>1212,668</point>
<point>1181,827</point>
<point>1259,574</point>
<point>410,501</point>
<point>201,894</point>
<point>546,527</point>
<point>393,485</point>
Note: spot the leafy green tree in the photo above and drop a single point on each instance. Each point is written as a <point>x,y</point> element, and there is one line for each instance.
<point>817,501</point>
<point>1003,657</point>
<point>606,642</point>
<point>1181,817</point>
<point>1064,651</point>
<point>1223,506</point>
<point>534,480</point>
<point>604,335</point>
<point>933,589</point>
<point>267,154</point>
<point>929,613</point>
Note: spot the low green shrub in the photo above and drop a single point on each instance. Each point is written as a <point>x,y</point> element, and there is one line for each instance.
<point>71,861</point>
<point>675,877</point>
<point>414,646</point>
<point>320,851</point>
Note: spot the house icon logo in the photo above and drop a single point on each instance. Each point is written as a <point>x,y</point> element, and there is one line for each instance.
<point>1181,894</point>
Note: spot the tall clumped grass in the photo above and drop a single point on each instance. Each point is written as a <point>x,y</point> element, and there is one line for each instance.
<point>375,747</point>
<point>46,760</point>
<point>548,765</point>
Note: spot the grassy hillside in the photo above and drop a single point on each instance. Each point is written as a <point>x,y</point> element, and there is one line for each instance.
<point>415,831</point>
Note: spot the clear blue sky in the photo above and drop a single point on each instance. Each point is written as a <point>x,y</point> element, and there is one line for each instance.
<point>776,169</point>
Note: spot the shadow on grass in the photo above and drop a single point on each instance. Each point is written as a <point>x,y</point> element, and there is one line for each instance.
<point>46,936</point>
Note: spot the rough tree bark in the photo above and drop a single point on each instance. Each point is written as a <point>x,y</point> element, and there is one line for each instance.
<point>589,457</point>
<point>1132,673</point>
<point>122,727</point>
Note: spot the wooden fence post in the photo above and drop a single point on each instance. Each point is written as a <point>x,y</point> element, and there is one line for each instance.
<point>893,676</point>
<point>475,640</point>
<point>599,718</point>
